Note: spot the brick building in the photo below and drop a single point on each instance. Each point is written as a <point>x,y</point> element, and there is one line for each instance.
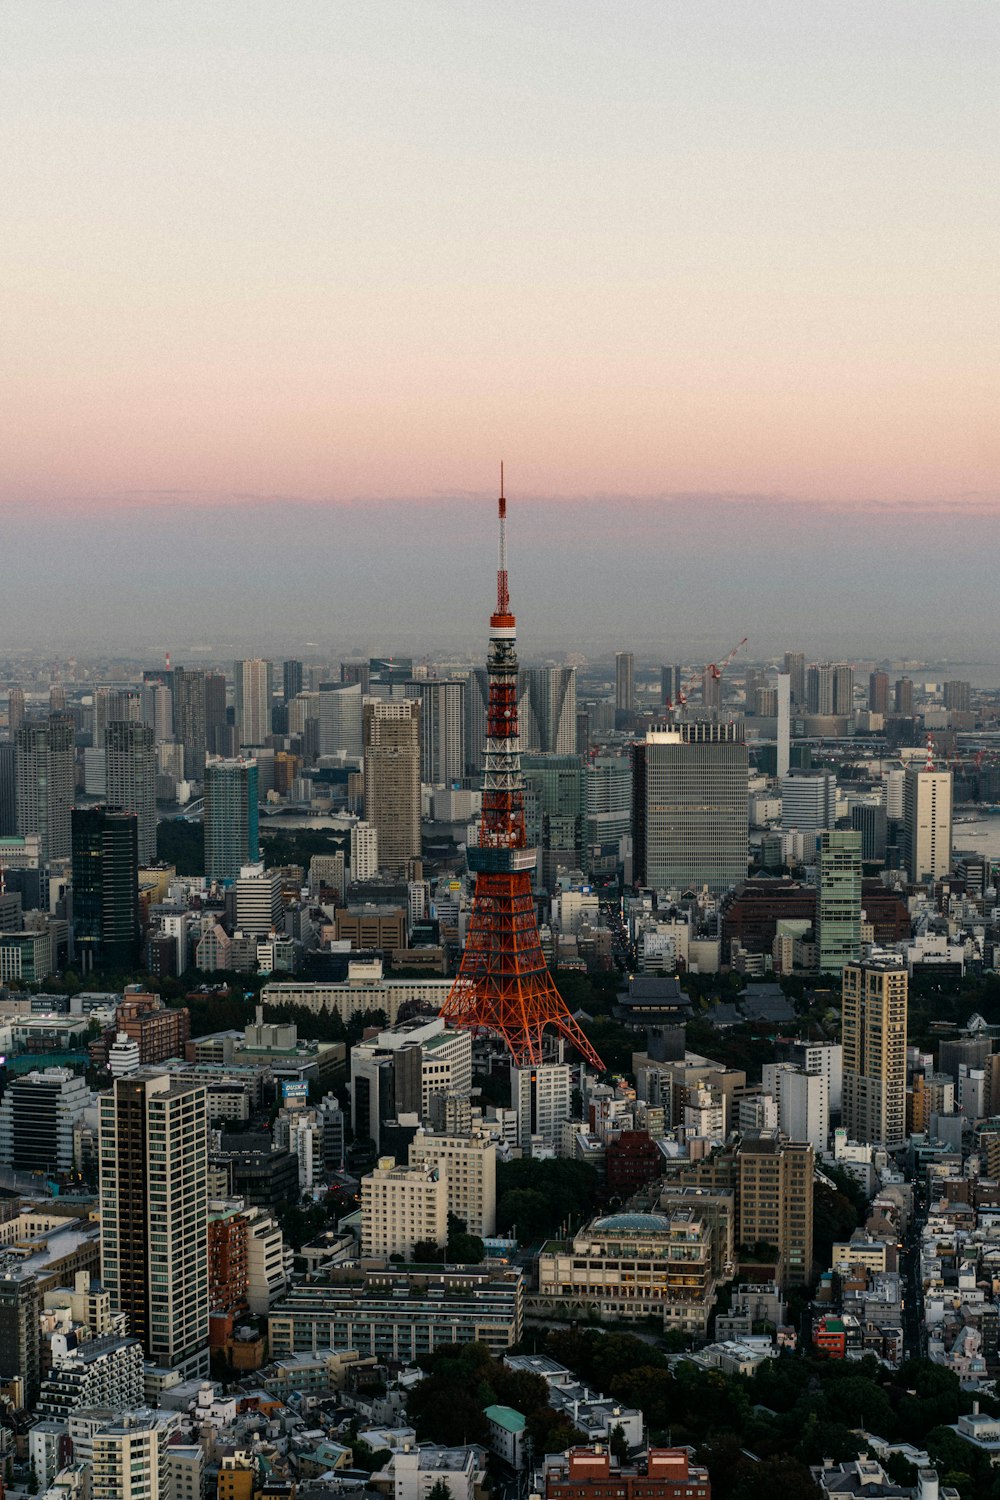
<point>590,1473</point>
<point>227,1258</point>
<point>631,1160</point>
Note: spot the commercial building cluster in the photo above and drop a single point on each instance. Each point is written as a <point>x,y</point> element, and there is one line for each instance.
<point>227,1245</point>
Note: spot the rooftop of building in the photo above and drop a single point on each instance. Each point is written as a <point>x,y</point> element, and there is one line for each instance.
<point>40,1255</point>
<point>506,1417</point>
<point>631,1223</point>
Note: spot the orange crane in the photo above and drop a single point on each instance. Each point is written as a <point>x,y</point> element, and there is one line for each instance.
<point>716,670</point>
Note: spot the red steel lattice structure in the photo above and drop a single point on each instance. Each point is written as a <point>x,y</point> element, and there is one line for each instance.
<point>504,984</point>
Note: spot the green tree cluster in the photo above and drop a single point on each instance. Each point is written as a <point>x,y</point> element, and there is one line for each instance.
<point>792,1413</point>
<point>540,1196</point>
<point>463,1380</point>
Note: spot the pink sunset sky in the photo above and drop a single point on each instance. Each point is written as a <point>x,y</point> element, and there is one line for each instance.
<point>267,257</point>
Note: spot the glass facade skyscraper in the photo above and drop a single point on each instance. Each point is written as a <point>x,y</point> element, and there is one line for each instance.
<point>838,919</point>
<point>105,890</point>
<point>693,783</point>
<point>231,818</point>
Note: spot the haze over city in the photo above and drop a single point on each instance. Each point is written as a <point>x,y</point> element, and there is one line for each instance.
<point>717,282</point>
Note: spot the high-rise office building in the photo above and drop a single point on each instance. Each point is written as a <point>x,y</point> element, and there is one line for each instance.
<point>8,788</point>
<point>547,717</point>
<point>624,682</point>
<point>130,771</point>
<point>874,1012</point>
<point>830,689</point>
<point>364,851</point>
<point>45,785</point>
<point>808,801</point>
<point>37,1119</point>
<point>904,697</point>
<point>958,697</point>
<point>200,721</point>
<point>795,666</point>
<point>607,804</point>
<point>843,690</point>
<point>356,671</point>
<point>341,718</point>
<point>878,692</point>
<point>189,718</point>
<point>15,710</point>
<point>442,729</point>
<point>838,910</point>
<point>291,680</point>
<point>231,817</point>
<point>869,819</point>
<point>927,796</point>
<point>775,1200</point>
<point>546,710</point>
<point>253,681</point>
<point>783,710</point>
<point>553,809</point>
<point>258,901</point>
<point>711,690</point>
<point>114,705</point>
<point>157,710</point>
<point>154,1215</point>
<point>477,692</point>
<point>671,682</point>
<point>542,1097</point>
<point>893,785</point>
<point>220,735</point>
<point>105,890</point>
<point>693,788</point>
<point>388,672</point>
<point>392,780</point>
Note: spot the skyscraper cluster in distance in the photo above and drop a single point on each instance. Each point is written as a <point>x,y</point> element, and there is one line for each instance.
<point>359,1005</point>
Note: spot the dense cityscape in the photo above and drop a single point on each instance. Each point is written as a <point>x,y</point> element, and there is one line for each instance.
<point>423,1077</point>
<point>499,750</point>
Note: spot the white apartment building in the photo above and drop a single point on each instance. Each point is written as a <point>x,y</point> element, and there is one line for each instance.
<point>927,823</point>
<point>300,1131</point>
<point>127,1461</point>
<point>402,1205</point>
<point>99,1372</point>
<point>469,1166</point>
<point>416,1472</point>
<point>542,1096</point>
<point>826,1058</point>
<point>268,1261</point>
<point>364,851</point>
<point>258,901</point>
<point>804,1107</point>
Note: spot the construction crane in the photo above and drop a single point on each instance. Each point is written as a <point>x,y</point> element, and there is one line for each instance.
<point>712,668</point>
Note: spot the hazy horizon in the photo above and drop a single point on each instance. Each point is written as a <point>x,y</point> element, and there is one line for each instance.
<point>668,575</point>
<point>280,287</point>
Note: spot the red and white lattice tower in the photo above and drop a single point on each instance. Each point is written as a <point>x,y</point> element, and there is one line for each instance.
<point>504,985</point>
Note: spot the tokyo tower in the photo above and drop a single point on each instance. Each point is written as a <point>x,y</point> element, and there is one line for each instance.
<point>504,984</point>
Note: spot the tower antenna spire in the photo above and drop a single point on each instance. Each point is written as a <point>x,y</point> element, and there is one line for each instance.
<point>503,592</point>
